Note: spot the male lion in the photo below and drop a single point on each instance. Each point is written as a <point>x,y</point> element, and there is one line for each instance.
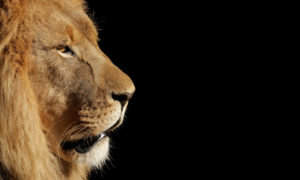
<point>59,93</point>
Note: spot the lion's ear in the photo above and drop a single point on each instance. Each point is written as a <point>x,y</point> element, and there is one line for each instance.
<point>10,13</point>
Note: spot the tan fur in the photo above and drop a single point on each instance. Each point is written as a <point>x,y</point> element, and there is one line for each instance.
<point>47,98</point>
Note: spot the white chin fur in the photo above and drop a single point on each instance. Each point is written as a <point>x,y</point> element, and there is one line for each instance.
<point>96,157</point>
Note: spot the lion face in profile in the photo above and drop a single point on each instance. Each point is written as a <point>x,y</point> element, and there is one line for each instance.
<point>79,94</point>
<point>82,95</point>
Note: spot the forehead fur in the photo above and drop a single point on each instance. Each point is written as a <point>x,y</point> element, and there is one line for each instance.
<point>69,15</point>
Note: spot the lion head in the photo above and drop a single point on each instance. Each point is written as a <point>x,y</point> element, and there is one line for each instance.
<point>60,95</point>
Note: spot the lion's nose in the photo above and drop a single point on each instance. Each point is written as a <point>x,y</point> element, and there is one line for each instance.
<point>122,98</point>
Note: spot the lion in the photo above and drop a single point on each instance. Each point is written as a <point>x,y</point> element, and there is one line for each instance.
<point>60,95</point>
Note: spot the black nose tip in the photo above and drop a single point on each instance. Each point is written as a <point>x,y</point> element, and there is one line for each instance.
<point>122,98</point>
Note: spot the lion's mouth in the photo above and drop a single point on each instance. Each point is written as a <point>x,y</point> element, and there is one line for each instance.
<point>85,144</point>
<point>82,145</point>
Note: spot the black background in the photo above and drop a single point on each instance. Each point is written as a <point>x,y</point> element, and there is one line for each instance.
<point>143,39</point>
<point>186,118</point>
<point>197,70</point>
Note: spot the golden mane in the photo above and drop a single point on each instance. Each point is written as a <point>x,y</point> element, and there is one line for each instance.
<point>23,146</point>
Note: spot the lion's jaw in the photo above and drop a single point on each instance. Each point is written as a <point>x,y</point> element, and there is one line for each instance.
<point>96,139</point>
<point>99,151</point>
<point>97,155</point>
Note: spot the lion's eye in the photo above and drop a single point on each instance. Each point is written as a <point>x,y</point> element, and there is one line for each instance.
<point>65,51</point>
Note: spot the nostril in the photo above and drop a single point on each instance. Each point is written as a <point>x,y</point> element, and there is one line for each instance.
<point>122,98</point>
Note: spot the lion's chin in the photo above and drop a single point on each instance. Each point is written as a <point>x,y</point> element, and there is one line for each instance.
<point>97,155</point>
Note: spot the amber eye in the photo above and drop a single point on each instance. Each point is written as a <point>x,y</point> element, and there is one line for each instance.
<point>65,51</point>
